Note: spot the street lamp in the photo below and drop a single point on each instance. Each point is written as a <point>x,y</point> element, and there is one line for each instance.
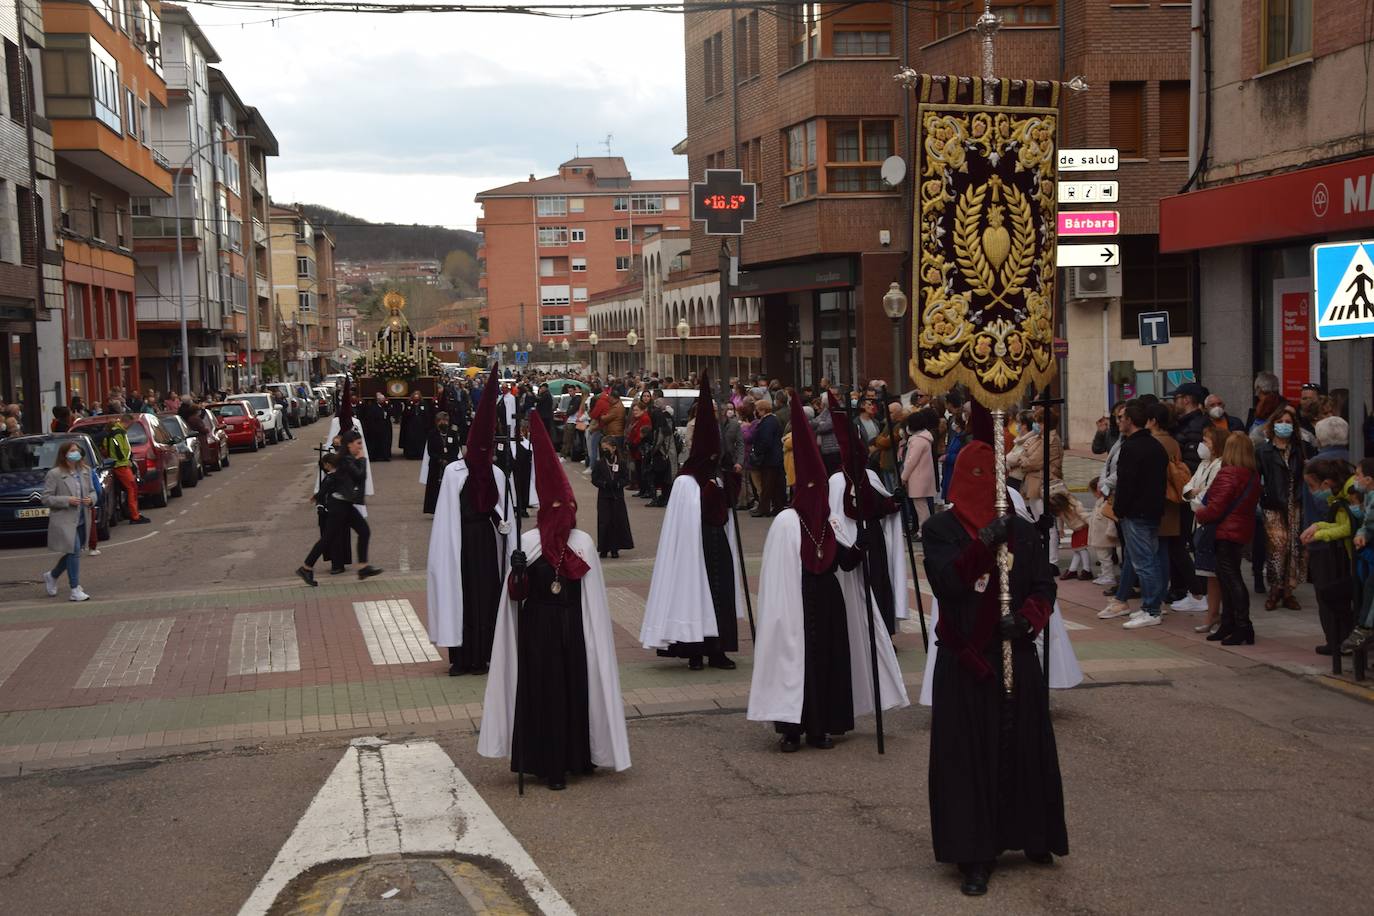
<point>684,330</point>
<point>894,304</point>
<point>181,258</point>
<point>630,340</point>
<point>565,346</point>
<point>592,341</point>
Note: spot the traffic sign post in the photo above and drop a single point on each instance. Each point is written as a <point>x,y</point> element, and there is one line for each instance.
<point>724,202</point>
<point>522,357</point>
<point>1108,255</point>
<point>1154,333</point>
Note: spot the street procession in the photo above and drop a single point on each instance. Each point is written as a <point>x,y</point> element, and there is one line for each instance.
<point>967,446</point>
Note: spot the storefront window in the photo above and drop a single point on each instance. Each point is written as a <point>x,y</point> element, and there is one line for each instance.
<point>1281,271</point>
<point>1154,282</point>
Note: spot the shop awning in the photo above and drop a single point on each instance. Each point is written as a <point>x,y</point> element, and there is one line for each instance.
<point>1300,204</point>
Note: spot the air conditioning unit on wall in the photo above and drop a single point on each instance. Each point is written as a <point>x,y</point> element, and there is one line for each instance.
<point>1094,282</point>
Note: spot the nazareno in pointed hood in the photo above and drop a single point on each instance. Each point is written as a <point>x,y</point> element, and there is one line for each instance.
<point>557,505</point>
<point>703,462</point>
<point>481,446</point>
<point>345,409</point>
<point>811,496</point>
<point>861,501</point>
<point>973,485</point>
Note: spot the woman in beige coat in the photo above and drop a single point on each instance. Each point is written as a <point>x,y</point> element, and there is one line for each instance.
<point>68,493</point>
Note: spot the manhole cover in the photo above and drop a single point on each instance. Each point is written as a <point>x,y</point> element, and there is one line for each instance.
<point>1331,725</point>
<point>430,886</point>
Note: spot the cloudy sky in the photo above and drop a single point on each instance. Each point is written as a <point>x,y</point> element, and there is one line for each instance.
<point>405,117</point>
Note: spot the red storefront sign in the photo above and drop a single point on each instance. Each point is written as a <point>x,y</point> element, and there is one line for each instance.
<point>1295,330</point>
<point>1317,201</point>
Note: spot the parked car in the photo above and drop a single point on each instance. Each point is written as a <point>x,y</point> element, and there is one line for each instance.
<point>324,400</point>
<point>310,404</point>
<point>272,417</point>
<point>25,461</point>
<point>240,426</point>
<point>155,458</point>
<point>297,411</point>
<point>214,444</point>
<point>188,448</point>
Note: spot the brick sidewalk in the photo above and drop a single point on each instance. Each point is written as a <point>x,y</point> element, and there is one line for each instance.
<point>106,677</point>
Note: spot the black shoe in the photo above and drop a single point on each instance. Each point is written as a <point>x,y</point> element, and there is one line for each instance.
<point>308,574</point>
<point>557,785</point>
<point>975,880</point>
<point>1323,649</point>
<point>478,669</point>
<point>456,670</point>
<point>1259,587</point>
<point>615,554</point>
<point>789,744</point>
<point>821,742</point>
<point>367,572</point>
<point>1240,637</point>
<point>1041,858</point>
<point>141,520</point>
<point>336,570</point>
<point>722,662</point>
<point>1220,633</point>
<point>601,554</point>
<point>694,663</point>
<point>758,515</point>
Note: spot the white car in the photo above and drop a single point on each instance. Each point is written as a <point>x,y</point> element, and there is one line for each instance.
<point>268,413</point>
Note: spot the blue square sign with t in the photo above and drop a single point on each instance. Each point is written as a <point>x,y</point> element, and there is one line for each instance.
<point>1154,329</point>
<point>1343,275</point>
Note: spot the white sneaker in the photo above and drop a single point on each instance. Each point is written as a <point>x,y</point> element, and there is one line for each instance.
<point>49,584</point>
<point>1191,604</point>
<point>1106,582</point>
<point>1114,609</point>
<point>1143,620</point>
<point>78,595</point>
<point>93,552</point>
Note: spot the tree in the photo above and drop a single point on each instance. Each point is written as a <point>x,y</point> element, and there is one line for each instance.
<point>461,269</point>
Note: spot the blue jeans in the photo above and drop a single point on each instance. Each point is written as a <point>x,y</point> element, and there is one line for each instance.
<point>1148,561</point>
<point>593,448</point>
<point>71,562</point>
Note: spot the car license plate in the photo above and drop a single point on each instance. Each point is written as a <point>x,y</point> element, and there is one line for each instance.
<point>41,512</point>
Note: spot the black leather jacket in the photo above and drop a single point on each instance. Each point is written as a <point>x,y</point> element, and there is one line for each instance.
<point>1280,477</point>
<point>351,480</point>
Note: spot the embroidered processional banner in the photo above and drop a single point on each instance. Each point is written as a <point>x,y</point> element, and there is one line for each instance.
<point>986,223</point>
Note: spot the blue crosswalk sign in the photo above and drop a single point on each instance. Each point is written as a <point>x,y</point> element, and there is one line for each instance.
<point>1343,276</point>
<point>522,356</point>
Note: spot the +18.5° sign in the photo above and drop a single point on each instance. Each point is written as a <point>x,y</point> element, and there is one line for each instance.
<point>724,201</point>
<point>1343,277</point>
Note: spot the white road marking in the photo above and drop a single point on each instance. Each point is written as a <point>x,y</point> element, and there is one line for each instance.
<point>263,642</point>
<point>129,654</point>
<point>393,634</point>
<point>183,511</point>
<point>1074,625</point>
<point>171,521</point>
<point>627,609</point>
<point>398,799</point>
<point>15,646</point>
<point>43,551</point>
<point>403,560</point>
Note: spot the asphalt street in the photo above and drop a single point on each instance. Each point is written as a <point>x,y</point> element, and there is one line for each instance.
<point>1193,784</point>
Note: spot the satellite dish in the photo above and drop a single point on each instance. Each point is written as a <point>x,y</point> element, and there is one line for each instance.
<point>893,171</point>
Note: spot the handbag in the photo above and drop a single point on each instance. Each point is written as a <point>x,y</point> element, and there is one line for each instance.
<point>1205,536</point>
<point>1176,479</point>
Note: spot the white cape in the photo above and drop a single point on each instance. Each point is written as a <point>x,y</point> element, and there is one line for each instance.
<point>609,740</point>
<point>329,439</point>
<point>848,531</point>
<point>1064,669</point>
<point>444,578</point>
<point>775,694</point>
<point>680,608</point>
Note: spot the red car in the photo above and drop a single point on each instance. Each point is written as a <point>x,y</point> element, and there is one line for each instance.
<point>243,428</point>
<point>157,465</point>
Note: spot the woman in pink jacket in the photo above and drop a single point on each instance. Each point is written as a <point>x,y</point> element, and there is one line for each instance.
<point>918,467</point>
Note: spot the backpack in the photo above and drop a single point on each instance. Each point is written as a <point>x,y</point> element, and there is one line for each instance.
<point>1177,476</point>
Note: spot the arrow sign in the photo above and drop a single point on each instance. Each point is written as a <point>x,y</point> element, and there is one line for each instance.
<point>1088,192</point>
<point>1087,255</point>
<point>1088,160</point>
<point>1089,222</point>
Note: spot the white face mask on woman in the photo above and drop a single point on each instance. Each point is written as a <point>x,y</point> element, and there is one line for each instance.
<point>1204,453</point>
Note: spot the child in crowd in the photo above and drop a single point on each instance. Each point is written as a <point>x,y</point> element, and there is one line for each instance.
<point>1364,556</point>
<point>329,463</point>
<point>610,475</point>
<point>1102,538</point>
<point>1073,527</point>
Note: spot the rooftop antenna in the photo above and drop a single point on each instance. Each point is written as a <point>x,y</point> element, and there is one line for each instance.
<point>607,143</point>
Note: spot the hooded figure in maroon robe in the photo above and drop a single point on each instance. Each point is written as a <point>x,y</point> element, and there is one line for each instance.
<point>994,771</point>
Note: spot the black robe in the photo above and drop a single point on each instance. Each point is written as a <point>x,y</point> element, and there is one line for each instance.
<point>482,569</point>
<point>376,430</point>
<point>994,771</point>
<point>612,520</point>
<point>443,446</point>
<point>828,688</point>
<point>552,732</point>
<point>720,579</point>
<point>524,468</point>
<point>416,422</point>
<point>879,578</point>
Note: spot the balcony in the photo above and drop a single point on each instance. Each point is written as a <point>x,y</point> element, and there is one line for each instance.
<point>255,179</point>
<point>178,75</point>
<point>259,232</point>
<point>168,308</point>
<point>264,289</point>
<point>163,227</point>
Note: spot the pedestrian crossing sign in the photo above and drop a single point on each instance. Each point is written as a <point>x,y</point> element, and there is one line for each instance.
<point>1343,274</point>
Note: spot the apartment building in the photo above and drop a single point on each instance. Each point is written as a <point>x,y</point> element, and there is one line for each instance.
<point>326,283</point>
<point>550,244</point>
<point>805,104</point>
<point>33,358</point>
<point>295,289</point>
<point>1286,161</point>
<point>103,87</point>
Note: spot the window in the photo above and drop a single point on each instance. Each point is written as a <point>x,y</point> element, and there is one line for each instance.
<point>861,43</point>
<point>1126,102</point>
<point>576,204</point>
<point>546,266</point>
<point>121,220</point>
<point>123,312</point>
<point>550,325</point>
<point>302,232</point>
<point>64,204</point>
<point>671,203</point>
<point>713,65</point>
<point>1173,119</point>
<point>551,206</point>
<point>579,265</point>
<point>76,311</point>
<point>15,74</point>
<point>142,206</point>
<point>622,233</point>
<point>958,15</point>
<point>105,94</point>
<point>747,47</point>
<point>143,123</point>
<point>305,267</point>
<point>805,33</point>
<point>1152,282</point>
<point>97,230</point>
<point>855,154</point>
<point>554,295</point>
<point>579,294</point>
<point>799,164</point>
<point>621,204</point>
<point>646,203</point>
<point>553,236</point>
<point>579,235</point>
<point>751,160</point>
<point>130,112</point>
<point>305,301</point>
<point>446,346</point>
<point>1286,31</point>
<point>622,262</point>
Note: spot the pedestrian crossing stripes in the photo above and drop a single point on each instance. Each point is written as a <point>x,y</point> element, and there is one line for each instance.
<point>264,642</point>
<point>393,634</point>
<point>627,609</point>
<point>15,646</point>
<point>129,654</point>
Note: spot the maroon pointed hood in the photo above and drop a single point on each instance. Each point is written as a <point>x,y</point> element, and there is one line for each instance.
<point>703,462</point>
<point>861,501</point>
<point>811,496</point>
<point>345,411</point>
<point>557,505</point>
<point>481,448</point>
<point>973,485</point>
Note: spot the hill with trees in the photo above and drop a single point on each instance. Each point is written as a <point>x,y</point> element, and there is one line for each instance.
<point>358,239</point>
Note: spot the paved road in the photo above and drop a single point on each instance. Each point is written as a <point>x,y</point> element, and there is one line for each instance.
<point>191,726</point>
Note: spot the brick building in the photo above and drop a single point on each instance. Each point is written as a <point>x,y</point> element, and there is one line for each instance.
<point>550,244</point>
<point>1287,163</point>
<point>805,104</point>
